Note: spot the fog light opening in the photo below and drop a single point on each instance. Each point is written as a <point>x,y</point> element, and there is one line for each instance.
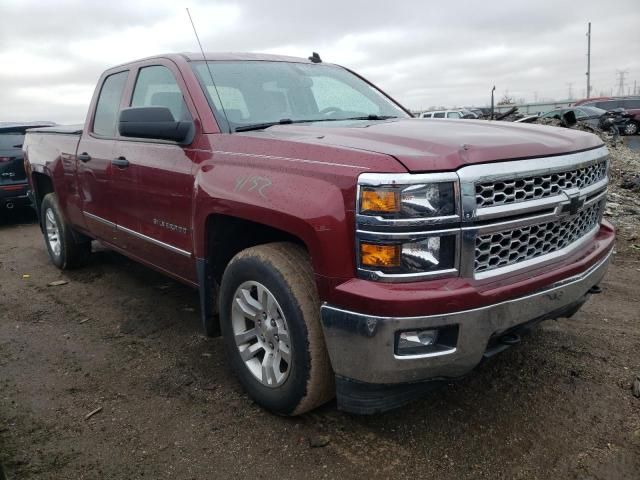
<point>417,338</point>
<point>427,341</point>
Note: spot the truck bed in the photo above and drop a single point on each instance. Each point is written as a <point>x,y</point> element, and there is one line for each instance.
<point>59,130</point>
<point>43,146</point>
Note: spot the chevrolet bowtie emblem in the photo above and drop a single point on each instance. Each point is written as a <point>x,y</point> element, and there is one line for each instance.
<point>575,203</point>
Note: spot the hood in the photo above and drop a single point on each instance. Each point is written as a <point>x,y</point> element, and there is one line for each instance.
<point>432,145</point>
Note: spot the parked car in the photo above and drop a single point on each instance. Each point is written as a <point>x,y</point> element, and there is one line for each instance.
<point>597,118</point>
<point>478,112</point>
<point>13,180</point>
<point>630,104</point>
<point>349,249</point>
<point>458,113</point>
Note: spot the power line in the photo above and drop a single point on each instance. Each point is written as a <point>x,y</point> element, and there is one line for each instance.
<point>589,61</point>
<point>621,74</point>
<point>570,93</point>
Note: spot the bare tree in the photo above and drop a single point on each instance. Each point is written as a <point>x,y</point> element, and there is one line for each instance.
<point>506,100</point>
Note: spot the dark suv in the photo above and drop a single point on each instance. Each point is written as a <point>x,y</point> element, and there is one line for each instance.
<point>630,104</point>
<point>13,181</point>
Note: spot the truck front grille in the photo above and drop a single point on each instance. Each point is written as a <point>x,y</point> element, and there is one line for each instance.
<point>494,250</point>
<point>489,194</point>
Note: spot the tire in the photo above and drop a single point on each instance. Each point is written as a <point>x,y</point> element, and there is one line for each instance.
<point>284,271</point>
<point>631,128</point>
<point>67,249</point>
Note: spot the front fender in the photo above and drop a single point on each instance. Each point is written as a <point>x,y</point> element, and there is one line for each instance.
<point>317,209</point>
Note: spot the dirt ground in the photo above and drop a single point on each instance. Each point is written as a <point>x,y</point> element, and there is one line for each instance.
<point>126,339</point>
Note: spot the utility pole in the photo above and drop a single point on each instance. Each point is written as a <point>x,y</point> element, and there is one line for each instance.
<point>492,104</point>
<point>570,85</point>
<point>621,74</point>
<point>589,61</point>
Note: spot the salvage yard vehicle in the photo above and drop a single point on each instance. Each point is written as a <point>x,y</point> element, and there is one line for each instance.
<point>630,105</point>
<point>614,121</point>
<point>14,186</point>
<point>343,247</point>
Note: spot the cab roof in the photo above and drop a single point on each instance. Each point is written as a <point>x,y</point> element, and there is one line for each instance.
<point>221,56</point>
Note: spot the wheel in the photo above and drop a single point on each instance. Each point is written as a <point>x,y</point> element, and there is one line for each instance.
<point>67,249</point>
<point>270,322</point>
<point>631,128</point>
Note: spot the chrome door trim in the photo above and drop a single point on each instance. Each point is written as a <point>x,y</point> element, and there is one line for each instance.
<point>139,235</point>
<point>99,219</point>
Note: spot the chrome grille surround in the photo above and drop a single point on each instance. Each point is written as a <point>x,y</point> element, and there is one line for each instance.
<point>566,219</point>
<point>535,187</point>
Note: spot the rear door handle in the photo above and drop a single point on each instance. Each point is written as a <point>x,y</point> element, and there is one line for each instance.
<point>84,157</point>
<point>120,162</point>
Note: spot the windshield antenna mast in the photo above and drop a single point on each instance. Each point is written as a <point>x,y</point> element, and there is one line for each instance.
<point>208,67</point>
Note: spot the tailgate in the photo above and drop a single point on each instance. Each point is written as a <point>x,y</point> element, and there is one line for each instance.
<point>11,158</point>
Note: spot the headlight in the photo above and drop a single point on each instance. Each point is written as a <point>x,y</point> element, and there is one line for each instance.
<point>408,201</point>
<point>408,226</point>
<point>435,253</point>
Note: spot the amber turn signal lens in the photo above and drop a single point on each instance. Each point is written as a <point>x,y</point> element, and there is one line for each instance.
<point>379,255</point>
<point>380,201</point>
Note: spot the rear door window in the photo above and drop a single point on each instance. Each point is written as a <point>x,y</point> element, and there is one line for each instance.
<point>157,87</point>
<point>108,106</point>
<point>438,115</point>
<point>631,104</point>
<point>609,104</point>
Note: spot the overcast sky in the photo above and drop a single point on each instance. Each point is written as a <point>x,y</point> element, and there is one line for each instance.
<point>424,53</point>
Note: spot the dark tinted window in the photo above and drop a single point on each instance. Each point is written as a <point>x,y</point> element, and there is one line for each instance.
<point>157,87</point>
<point>438,115</point>
<point>631,103</point>
<point>108,106</point>
<point>608,105</point>
<point>11,140</point>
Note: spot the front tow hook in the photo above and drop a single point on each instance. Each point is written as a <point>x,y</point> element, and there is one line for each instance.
<point>595,290</point>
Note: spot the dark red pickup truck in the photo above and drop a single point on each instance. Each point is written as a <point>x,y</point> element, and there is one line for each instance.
<point>342,247</point>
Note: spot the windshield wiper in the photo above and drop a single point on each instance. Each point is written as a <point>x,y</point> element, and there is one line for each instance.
<point>370,117</point>
<point>288,121</point>
<point>260,126</point>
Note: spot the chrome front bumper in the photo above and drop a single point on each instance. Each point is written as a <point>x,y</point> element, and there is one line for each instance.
<point>362,347</point>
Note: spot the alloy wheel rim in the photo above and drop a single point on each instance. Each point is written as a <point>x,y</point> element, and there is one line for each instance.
<point>53,233</point>
<point>261,334</point>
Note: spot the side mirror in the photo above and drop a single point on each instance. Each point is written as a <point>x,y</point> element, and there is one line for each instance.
<point>152,122</point>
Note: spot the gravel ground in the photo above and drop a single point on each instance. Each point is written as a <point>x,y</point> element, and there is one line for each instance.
<point>123,339</point>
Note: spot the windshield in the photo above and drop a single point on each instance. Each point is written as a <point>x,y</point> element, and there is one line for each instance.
<point>262,92</point>
<point>593,111</point>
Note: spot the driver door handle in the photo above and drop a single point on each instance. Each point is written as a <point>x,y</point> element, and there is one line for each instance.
<point>120,162</point>
<point>84,157</point>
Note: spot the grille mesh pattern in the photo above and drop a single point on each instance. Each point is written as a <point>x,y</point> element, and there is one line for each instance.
<point>491,194</point>
<point>500,249</point>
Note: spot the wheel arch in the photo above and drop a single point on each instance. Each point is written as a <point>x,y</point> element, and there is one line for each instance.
<point>42,185</point>
<point>222,237</point>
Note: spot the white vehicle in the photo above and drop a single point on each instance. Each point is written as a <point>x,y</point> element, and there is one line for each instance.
<point>459,113</point>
